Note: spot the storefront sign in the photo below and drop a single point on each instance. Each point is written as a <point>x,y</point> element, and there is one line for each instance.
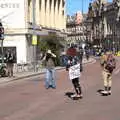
<point>9,5</point>
<point>12,13</point>
<point>34,40</point>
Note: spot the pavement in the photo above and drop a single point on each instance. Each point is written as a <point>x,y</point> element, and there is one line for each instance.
<point>26,74</point>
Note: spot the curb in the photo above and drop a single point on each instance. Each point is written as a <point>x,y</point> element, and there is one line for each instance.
<point>26,76</point>
<point>34,74</point>
<point>38,73</point>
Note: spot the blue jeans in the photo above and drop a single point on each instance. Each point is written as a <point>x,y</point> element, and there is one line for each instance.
<point>50,78</point>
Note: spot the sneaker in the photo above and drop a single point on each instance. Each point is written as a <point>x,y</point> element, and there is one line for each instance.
<point>79,96</point>
<point>74,95</point>
<point>109,92</point>
<point>104,92</point>
<point>53,87</point>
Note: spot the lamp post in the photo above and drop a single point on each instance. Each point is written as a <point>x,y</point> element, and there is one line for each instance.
<point>34,37</point>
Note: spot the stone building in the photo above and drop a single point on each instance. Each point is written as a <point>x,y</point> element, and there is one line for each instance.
<point>26,21</point>
<point>105,24</point>
<point>76,28</point>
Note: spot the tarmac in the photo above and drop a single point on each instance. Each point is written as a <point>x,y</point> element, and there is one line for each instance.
<point>27,74</point>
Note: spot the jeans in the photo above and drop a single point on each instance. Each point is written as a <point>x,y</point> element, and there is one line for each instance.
<point>50,78</point>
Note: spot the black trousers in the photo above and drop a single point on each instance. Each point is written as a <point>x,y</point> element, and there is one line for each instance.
<point>10,69</point>
<point>76,85</point>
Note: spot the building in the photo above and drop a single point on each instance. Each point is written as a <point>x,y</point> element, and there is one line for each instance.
<point>78,29</point>
<point>26,21</point>
<point>105,24</point>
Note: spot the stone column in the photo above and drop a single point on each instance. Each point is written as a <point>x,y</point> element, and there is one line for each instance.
<point>63,17</point>
<point>42,12</point>
<point>37,12</point>
<point>60,14</point>
<point>27,15</point>
<point>47,15</point>
<point>30,11</point>
<point>56,14</point>
<point>52,14</point>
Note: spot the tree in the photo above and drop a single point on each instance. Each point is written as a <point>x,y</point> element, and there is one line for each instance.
<point>52,42</point>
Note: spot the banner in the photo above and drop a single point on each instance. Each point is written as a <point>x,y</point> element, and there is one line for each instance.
<point>34,40</point>
<point>74,71</point>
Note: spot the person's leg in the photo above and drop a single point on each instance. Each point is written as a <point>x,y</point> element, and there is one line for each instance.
<point>47,79</point>
<point>8,68</point>
<point>53,79</point>
<point>11,69</point>
<point>105,78</point>
<point>109,83</point>
<point>74,85</point>
<point>77,88</point>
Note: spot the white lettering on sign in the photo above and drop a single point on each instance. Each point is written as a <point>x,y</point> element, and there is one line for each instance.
<point>9,5</point>
<point>74,71</point>
<point>12,13</point>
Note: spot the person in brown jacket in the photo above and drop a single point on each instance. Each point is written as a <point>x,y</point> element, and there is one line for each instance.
<point>50,70</point>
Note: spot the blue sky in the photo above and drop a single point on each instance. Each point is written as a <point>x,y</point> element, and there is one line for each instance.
<point>72,6</point>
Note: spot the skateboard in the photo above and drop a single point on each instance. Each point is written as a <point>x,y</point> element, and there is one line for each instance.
<point>76,98</point>
<point>100,91</point>
<point>69,94</point>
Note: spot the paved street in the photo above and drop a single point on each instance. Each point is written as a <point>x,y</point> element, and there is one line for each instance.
<point>27,99</point>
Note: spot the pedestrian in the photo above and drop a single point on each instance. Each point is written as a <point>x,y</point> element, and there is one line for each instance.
<point>87,53</point>
<point>76,83</point>
<point>49,60</point>
<point>108,67</point>
<point>80,54</point>
<point>10,62</point>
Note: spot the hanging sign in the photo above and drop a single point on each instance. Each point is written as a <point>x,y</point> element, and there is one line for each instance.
<point>34,40</point>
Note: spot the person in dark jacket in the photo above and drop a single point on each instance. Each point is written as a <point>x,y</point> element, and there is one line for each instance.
<point>76,83</point>
<point>10,62</point>
<point>81,54</point>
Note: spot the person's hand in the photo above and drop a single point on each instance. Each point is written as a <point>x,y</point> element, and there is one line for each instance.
<point>53,55</point>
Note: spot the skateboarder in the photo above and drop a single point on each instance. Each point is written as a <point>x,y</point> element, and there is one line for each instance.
<point>73,60</point>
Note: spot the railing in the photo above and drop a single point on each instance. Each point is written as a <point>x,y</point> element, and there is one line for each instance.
<point>27,67</point>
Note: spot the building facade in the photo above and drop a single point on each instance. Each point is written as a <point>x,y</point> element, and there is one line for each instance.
<point>105,24</point>
<point>26,21</point>
<point>76,29</point>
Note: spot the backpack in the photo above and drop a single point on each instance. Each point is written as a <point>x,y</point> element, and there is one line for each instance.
<point>110,63</point>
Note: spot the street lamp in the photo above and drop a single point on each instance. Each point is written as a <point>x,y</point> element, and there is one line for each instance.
<point>34,37</point>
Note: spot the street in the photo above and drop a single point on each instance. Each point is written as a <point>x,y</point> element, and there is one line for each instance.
<point>27,99</point>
